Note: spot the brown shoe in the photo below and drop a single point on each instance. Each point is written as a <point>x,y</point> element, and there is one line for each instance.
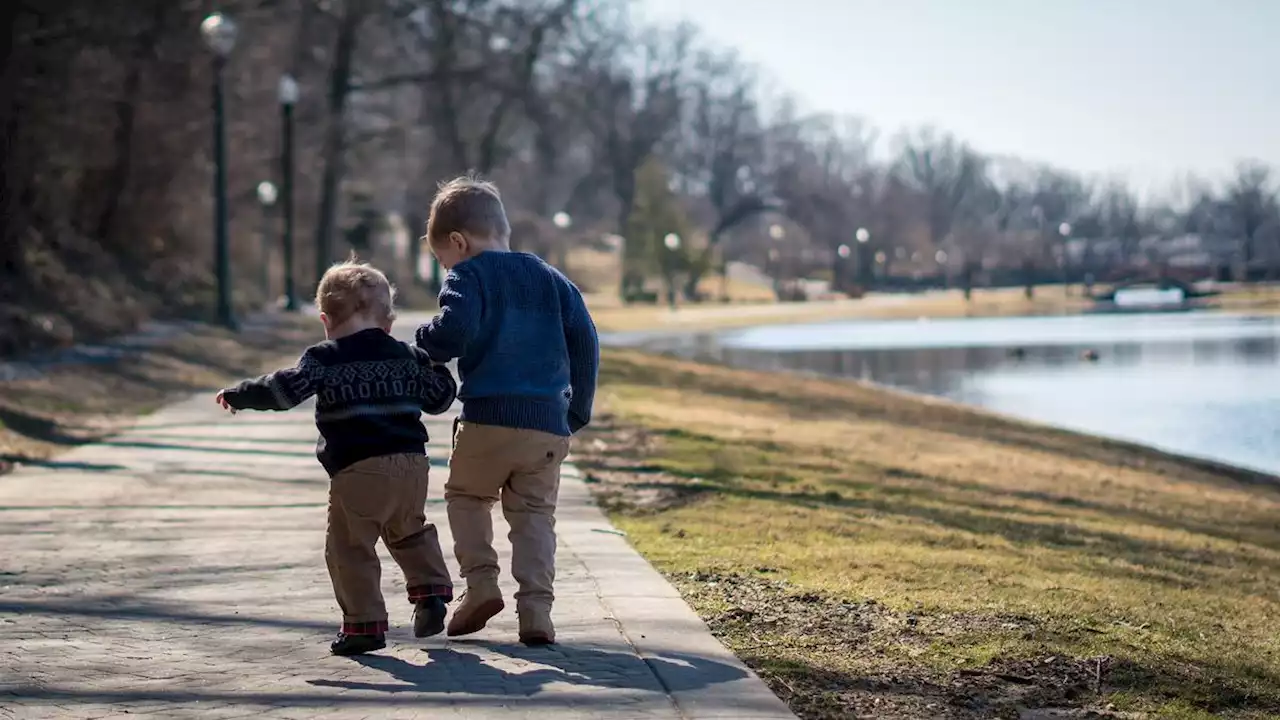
<point>475,609</point>
<point>536,627</point>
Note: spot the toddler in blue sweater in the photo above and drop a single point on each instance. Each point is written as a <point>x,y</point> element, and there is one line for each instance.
<point>527,356</point>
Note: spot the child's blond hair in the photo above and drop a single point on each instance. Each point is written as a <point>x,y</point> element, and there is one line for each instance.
<point>353,288</point>
<point>470,206</point>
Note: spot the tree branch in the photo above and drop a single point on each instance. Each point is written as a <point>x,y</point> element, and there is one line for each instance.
<point>429,77</point>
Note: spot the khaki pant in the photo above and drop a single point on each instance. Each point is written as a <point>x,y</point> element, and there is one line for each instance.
<point>520,468</point>
<point>382,497</point>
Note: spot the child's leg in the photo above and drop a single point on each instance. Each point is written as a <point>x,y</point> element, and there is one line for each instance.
<point>529,504</point>
<point>358,505</point>
<point>410,539</point>
<point>478,467</point>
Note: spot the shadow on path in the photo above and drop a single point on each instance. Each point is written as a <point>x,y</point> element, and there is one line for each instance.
<point>448,678</point>
<point>452,671</point>
<point>147,445</point>
<point>47,464</point>
<point>128,608</point>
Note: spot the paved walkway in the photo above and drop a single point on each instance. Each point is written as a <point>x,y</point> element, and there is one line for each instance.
<point>177,570</point>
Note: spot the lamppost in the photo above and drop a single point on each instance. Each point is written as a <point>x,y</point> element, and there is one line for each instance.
<point>863,236</point>
<point>777,233</point>
<point>219,34</point>
<point>672,243</point>
<point>288,98</point>
<point>773,270</point>
<point>267,195</point>
<point>1064,232</point>
<point>563,222</point>
<point>843,252</point>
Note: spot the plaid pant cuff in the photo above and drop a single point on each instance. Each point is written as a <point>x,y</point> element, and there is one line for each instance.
<point>371,627</point>
<point>421,592</point>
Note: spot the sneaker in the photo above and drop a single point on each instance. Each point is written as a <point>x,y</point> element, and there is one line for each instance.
<point>347,645</point>
<point>474,610</point>
<point>428,617</point>
<point>536,627</point>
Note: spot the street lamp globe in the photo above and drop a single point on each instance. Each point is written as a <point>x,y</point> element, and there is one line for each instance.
<point>672,241</point>
<point>267,193</point>
<point>881,257</point>
<point>843,251</point>
<point>941,257</point>
<point>219,33</point>
<point>1064,229</point>
<point>777,232</point>
<point>862,235</point>
<point>288,90</point>
<point>561,220</point>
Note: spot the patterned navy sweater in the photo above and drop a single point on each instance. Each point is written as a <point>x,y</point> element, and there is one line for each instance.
<point>370,390</point>
<point>527,349</point>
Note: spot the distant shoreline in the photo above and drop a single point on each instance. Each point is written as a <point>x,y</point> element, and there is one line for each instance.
<point>613,317</point>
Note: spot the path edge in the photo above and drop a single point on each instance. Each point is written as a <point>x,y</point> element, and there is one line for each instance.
<point>654,617</point>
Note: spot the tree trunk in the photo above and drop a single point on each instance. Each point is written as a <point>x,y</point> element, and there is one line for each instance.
<point>11,182</point>
<point>414,229</point>
<point>335,135</point>
<point>126,114</point>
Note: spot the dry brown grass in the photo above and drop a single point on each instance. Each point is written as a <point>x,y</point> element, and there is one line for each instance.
<point>876,554</point>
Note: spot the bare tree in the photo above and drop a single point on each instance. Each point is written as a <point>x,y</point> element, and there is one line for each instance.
<point>718,152</point>
<point>635,103</point>
<point>1250,205</point>
<point>945,171</point>
<point>1121,220</point>
<point>353,15</point>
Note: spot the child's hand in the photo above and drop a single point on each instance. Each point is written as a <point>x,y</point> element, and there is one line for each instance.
<point>222,400</point>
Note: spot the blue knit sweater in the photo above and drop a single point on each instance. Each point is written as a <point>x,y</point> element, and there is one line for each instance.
<point>526,346</point>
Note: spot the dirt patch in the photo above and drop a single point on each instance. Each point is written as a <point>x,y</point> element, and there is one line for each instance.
<point>611,454</point>
<point>81,402</point>
<point>834,658</point>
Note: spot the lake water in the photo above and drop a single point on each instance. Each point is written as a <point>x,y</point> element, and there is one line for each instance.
<point>1200,384</point>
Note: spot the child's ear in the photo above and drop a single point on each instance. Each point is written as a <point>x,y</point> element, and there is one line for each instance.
<point>459,242</point>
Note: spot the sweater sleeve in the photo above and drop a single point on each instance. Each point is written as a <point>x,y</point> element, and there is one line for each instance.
<point>447,335</point>
<point>584,356</point>
<point>280,390</point>
<point>439,389</point>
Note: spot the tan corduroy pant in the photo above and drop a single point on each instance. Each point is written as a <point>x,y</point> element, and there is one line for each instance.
<point>382,497</point>
<point>520,469</point>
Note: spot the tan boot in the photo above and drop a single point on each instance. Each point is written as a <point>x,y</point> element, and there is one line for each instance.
<point>477,606</point>
<point>536,627</point>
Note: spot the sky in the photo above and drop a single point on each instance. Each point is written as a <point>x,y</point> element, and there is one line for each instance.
<point>1144,90</point>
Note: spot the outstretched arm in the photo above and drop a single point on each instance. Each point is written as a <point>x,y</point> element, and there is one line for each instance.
<point>448,334</point>
<point>280,390</point>
<point>584,355</point>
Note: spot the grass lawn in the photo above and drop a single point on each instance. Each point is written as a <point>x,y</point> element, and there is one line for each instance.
<point>78,403</point>
<point>872,554</point>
